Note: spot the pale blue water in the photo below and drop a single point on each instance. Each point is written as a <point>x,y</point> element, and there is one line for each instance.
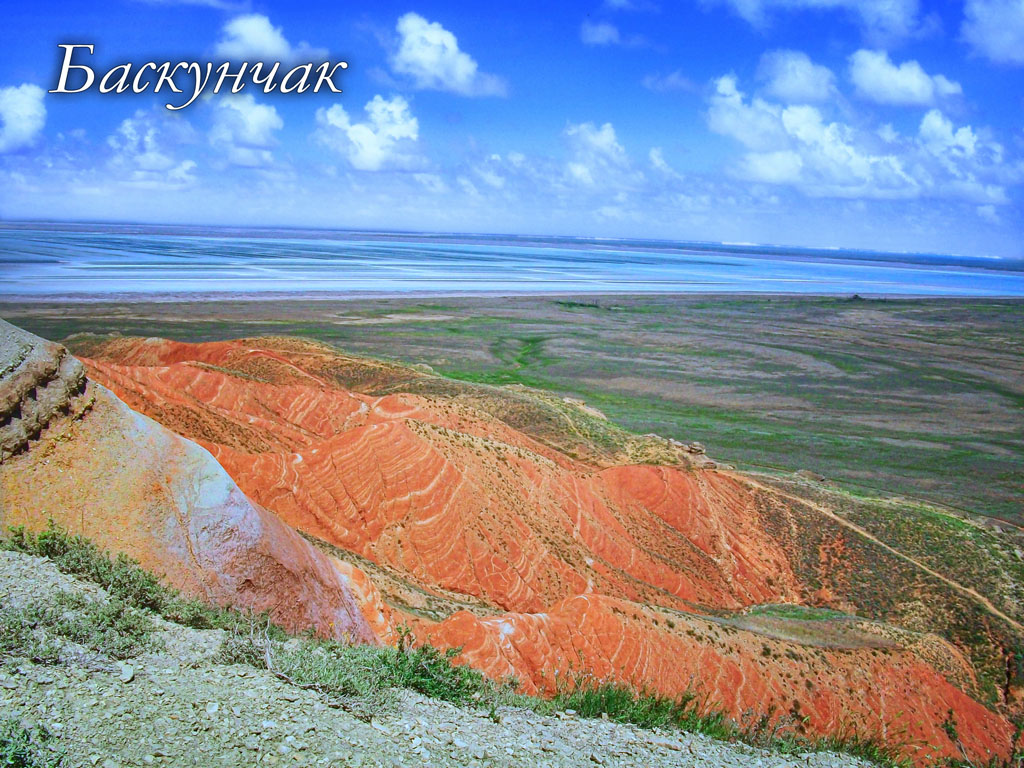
<point>84,260</point>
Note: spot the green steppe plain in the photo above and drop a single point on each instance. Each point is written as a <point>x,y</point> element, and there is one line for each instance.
<point>916,397</point>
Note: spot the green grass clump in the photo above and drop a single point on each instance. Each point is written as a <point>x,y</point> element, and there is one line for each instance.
<point>112,628</point>
<point>122,577</point>
<point>18,639</point>
<point>798,612</point>
<point>851,743</point>
<point>622,704</point>
<point>359,677</point>
<point>365,672</point>
<point>24,748</point>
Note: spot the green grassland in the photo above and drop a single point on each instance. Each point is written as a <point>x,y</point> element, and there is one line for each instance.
<point>917,397</point>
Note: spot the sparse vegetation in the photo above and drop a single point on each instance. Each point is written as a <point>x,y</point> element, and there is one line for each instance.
<point>364,672</point>
<point>357,676</point>
<point>797,612</point>
<point>24,748</point>
<point>122,577</point>
<point>624,705</point>
<point>110,627</point>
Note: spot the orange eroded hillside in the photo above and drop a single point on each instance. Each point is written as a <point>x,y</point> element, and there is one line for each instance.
<point>533,560</point>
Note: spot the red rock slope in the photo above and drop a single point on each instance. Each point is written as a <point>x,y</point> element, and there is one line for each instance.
<point>96,467</point>
<point>596,568</point>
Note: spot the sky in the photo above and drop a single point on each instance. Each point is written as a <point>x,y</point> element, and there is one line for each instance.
<point>880,124</point>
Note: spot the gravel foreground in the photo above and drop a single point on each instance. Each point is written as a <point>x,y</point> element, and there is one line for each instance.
<point>180,707</point>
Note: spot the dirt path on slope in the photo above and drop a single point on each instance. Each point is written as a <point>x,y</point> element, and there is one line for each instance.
<point>971,593</point>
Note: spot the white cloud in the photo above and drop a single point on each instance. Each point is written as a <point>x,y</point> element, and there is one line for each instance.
<point>382,141</point>
<point>798,146</point>
<point>605,33</point>
<point>598,159</point>
<point>673,81</point>
<point>988,213</point>
<point>756,125</point>
<point>145,148</point>
<point>599,33</point>
<point>880,19</point>
<point>432,182</point>
<point>995,28</point>
<point>22,115</point>
<point>792,77</point>
<point>252,37</point>
<point>656,156</point>
<point>936,131</point>
<point>630,5</point>
<point>243,131</point>
<point>781,167</point>
<point>223,5</point>
<point>878,79</point>
<point>429,55</point>
<point>490,172</point>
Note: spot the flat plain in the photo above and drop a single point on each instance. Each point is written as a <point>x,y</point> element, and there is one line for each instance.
<point>916,397</point>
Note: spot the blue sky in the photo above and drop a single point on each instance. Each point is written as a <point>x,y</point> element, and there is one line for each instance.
<point>890,124</point>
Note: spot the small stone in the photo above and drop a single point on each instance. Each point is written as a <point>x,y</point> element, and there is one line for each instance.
<point>127,673</point>
<point>212,707</point>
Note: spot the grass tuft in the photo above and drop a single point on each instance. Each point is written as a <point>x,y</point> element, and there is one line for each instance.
<point>123,578</point>
<point>24,748</point>
<point>360,677</point>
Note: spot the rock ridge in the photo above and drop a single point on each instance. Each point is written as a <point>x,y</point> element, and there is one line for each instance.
<point>38,381</point>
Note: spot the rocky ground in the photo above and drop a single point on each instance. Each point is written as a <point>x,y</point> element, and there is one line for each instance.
<point>176,705</point>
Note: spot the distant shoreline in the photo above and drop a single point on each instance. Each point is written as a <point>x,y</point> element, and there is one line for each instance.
<point>335,296</point>
<point>141,265</point>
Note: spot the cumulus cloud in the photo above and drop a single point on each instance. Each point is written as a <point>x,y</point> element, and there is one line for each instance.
<point>252,37</point>
<point>792,77</point>
<point>429,55</point>
<point>798,145</point>
<point>22,115</point>
<point>757,125</point>
<point>673,81</point>
<point>878,79</point>
<point>382,141</point>
<point>597,158</point>
<point>995,28</point>
<point>243,131</point>
<point>145,150</point>
<point>880,19</point>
